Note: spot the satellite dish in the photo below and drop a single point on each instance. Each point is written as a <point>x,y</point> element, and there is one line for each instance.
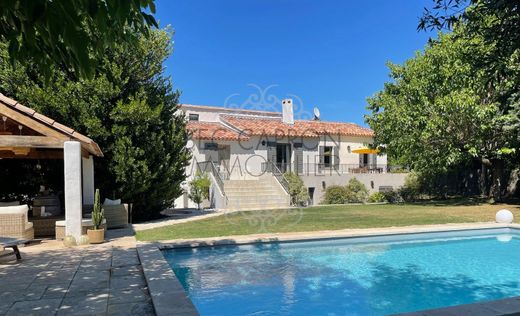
<point>316,114</point>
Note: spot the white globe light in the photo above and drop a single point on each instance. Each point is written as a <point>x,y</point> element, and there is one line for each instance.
<point>504,216</point>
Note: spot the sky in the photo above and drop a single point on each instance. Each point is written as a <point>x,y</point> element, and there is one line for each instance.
<point>329,54</point>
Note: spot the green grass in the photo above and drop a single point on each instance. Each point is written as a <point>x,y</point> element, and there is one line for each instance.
<point>331,218</point>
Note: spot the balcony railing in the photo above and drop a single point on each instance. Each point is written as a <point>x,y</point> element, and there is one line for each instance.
<point>209,166</point>
<point>331,169</point>
<point>272,168</point>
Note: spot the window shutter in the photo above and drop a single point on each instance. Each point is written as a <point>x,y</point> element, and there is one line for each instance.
<point>335,159</point>
<point>322,153</point>
<point>271,153</point>
<point>298,157</point>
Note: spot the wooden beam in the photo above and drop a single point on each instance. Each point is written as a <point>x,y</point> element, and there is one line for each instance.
<point>30,141</point>
<point>33,154</point>
<point>30,122</point>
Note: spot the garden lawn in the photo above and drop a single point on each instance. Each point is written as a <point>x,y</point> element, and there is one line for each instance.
<point>331,218</point>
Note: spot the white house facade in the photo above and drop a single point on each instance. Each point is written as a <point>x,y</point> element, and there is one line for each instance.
<point>247,151</point>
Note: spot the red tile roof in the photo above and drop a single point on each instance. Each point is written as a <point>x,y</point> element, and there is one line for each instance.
<point>275,127</point>
<point>213,131</point>
<point>88,143</point>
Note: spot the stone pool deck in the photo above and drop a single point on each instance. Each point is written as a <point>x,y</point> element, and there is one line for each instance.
<point>105,279</point>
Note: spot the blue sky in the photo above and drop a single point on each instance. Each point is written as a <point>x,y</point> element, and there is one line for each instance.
<point>330,54</point>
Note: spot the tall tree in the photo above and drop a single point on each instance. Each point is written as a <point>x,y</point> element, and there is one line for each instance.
<point>437,111</point>
<point>71,33</point>
<point>129,108</point>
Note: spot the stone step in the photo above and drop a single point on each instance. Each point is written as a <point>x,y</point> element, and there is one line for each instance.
<point>254,191</point>
<point>259,194</point>
<point>257,201</point>
<point>256,206</point>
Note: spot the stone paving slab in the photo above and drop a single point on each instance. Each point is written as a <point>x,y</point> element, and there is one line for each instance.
<point>50,279</point>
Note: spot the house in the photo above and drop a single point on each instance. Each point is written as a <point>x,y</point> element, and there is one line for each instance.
<point>247,151</point>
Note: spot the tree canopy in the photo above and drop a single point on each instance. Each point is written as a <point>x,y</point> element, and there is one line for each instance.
<point>71,34</point>
<point>129,108</point>
<point>458,101</point>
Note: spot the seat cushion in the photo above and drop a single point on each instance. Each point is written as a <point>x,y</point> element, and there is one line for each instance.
<point>112,202</point>
<point>12,203</point>
<point>18,209</point>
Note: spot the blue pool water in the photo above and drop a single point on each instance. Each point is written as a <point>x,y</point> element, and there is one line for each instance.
<point>350,276</point>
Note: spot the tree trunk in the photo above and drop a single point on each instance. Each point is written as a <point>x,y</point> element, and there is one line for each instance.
<point>483,178</point>
<point>513,185</point>
<point>497,173</point>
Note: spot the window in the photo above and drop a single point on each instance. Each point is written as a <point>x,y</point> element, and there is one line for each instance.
<point>365,160</point>
<point>327,156</point>
<point>193,117</point>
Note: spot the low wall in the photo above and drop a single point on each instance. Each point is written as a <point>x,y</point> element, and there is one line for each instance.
<point>372,181</point>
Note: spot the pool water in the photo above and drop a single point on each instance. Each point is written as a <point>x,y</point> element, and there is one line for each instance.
<point>370,276</point>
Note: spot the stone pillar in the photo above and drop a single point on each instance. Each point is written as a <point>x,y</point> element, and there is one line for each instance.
<point>73,202</point>
<point>88,180</point>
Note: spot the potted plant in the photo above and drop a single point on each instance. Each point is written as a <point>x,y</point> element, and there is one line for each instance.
<point>97,234</point>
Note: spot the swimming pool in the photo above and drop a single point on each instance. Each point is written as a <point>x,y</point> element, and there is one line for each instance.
<point>351,276</point>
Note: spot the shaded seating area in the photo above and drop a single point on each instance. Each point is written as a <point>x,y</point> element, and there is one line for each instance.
<point>48,146</point>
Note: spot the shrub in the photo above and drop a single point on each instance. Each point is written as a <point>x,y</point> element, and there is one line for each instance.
<point>377,197</point>
<point>392,196</point>
<point>199,188</point>
<point>297,189</point>
<point>335,194</point>
<point>356,192</point>
<point>411,189</point>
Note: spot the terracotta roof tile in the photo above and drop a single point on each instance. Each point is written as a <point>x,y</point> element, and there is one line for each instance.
<point>275,127</point>
<point>44,118</point>
<point>213,131</point>
<point>64,128</point>
<point>25,109</point>
<point>7,100</point>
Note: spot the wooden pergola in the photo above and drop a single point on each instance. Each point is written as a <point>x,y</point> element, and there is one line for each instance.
<point>27,134</point>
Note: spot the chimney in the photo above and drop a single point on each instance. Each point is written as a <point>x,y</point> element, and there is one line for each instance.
<point>287,111</point>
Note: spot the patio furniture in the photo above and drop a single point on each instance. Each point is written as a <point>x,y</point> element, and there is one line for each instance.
<point>45,226</point>
<point>11,203</point>
<point>13,244</point>
<point>116,215</point>
<point>14,222</point>
<point>85,224</point>
<point>51,204</point>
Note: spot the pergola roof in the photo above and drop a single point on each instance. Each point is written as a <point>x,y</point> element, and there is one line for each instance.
<point>39,136</point>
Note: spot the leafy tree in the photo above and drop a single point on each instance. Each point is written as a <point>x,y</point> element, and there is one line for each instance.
<point>199,188</point>
<point>297,189</point>
<point>71,33</point>
<point>497,24</point>
<point>129,108</point>
<point>440,111</point>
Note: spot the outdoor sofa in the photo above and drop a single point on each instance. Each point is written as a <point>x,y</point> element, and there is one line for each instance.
<point>14,222</point>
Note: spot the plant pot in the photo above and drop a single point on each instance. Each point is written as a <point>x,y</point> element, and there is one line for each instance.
<point>96,236</point>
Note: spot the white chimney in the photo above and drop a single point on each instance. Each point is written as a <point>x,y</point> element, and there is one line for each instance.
<point>287,111</point>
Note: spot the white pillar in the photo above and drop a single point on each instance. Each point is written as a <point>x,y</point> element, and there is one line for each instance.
<point>88,180</point>
<point>73,203</point>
